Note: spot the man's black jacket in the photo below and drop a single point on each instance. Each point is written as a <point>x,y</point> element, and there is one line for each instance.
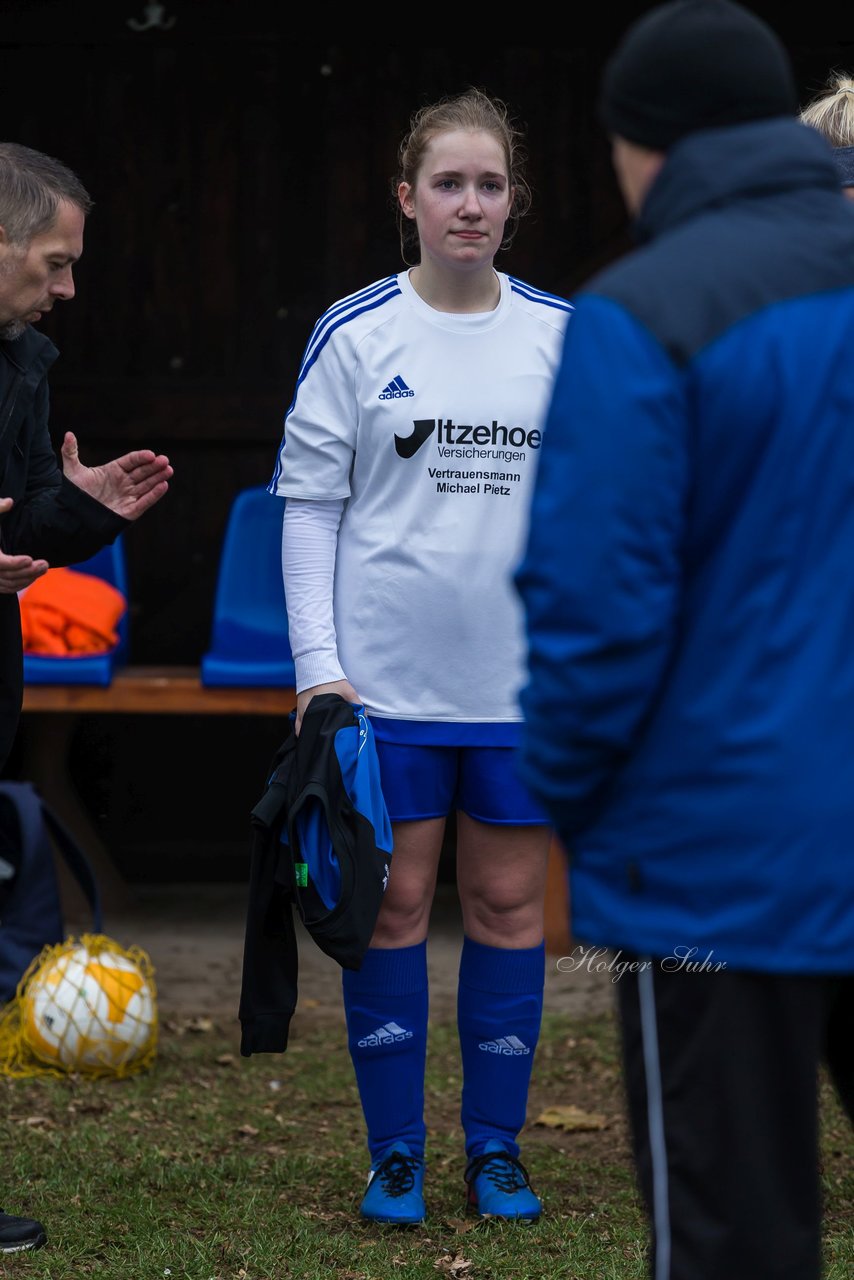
<point>52,519</point>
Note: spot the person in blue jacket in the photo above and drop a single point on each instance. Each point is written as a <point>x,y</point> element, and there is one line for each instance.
<point>831,112</point>
<point>689,600</point>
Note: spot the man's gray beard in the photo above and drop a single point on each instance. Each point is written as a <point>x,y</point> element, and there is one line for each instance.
<point>12,329</point>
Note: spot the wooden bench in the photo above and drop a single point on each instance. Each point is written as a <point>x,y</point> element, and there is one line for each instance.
<point>51,712</point>
<point>157,691</point>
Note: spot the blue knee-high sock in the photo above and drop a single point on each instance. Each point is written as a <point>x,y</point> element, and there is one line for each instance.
<point>499,1011</point>
<point>386,1005</point>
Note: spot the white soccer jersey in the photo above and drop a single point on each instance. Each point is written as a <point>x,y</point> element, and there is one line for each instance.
<point>429,424</point>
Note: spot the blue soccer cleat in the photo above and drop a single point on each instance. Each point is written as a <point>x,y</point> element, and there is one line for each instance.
<point>499,1185</point>
<point>395,1188</point>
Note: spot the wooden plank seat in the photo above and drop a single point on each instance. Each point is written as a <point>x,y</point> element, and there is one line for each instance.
<point>158,691</point>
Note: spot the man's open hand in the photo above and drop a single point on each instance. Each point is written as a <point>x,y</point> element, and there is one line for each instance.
<point>128,485</point>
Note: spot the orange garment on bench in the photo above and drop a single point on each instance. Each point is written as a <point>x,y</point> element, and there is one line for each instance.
<point>65,613</point>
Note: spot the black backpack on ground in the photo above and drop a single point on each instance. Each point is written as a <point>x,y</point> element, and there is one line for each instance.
<point>30,904</point>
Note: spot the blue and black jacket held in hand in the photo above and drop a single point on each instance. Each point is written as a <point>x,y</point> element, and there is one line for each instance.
<point>321,843</point>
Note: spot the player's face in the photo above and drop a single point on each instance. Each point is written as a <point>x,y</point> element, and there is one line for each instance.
<point>34,276</point>
<point>460,200</point>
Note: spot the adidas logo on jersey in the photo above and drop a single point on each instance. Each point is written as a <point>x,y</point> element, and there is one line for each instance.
<point>396,390</point>
<point>385,1035</point>
<point>509,1046</point>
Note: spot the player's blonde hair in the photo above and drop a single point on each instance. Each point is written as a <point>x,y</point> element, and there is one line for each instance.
<point>474,111</point>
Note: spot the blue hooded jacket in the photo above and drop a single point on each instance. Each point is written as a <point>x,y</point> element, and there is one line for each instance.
<point>688,582</point>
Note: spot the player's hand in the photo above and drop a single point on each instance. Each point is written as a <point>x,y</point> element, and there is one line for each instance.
<point>343,687</point>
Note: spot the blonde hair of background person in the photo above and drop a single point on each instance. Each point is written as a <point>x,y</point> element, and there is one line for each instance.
<point>831,112</point>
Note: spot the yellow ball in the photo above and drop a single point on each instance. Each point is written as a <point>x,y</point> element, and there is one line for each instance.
<point>82,1009</point>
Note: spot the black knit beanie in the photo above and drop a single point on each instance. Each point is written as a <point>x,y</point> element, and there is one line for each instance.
<point>694,64</point>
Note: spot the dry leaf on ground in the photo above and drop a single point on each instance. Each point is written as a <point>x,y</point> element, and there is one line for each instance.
<point>572,1119</point>
<point>458,1266</point>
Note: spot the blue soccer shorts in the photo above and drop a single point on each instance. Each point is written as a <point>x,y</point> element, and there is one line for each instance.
<point>431,781</point>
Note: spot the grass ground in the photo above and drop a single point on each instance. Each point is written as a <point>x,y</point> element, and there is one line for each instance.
<point>215,1167</point>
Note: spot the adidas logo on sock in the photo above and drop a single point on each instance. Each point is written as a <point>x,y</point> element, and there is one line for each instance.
<point>387,1035</point>
<point>396,390</point>
<point>509,1046</point>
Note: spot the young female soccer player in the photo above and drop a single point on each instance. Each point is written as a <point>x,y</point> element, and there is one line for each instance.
<point>407,463</point>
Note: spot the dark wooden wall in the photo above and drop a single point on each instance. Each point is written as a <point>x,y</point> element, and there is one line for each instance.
<point>242,184</point>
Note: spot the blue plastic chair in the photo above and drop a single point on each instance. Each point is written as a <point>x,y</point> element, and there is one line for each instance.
<point>91,668</point>
<point>249,638</point>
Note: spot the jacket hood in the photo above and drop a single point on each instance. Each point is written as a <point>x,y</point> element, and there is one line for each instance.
<point>715,166</point>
